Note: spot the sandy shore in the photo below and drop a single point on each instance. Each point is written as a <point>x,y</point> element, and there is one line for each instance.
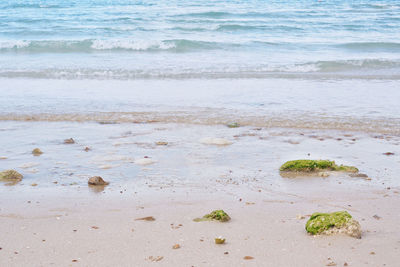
<point>62,222</point>
<point>100,230</point>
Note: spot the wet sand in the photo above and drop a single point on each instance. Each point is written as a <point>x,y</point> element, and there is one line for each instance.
<point>63,222</point>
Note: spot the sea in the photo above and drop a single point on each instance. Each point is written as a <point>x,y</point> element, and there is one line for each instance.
<point>303,79</point>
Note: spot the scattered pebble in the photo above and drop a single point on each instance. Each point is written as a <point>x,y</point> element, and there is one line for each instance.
<point>97,180</point>
<point>34,184</point>
<point>176,246</point>
<point>226,252</point>
<point>377,217</point>
<point>219,240</point>
<point>87,149</point>
<point>148,218</point>
<point>95,227</point>
<point>248,257</point>
<point>161,143</point>
<point>388,153</point>
<point>156,258</point>
<point>69,141</point>
<point>37,152</point>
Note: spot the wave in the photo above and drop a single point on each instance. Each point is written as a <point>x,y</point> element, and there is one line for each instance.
<point>92,45</point>
<point>342,69</point>
<point>371,46</point>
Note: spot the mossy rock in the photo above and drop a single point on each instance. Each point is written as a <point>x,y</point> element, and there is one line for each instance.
<point>37,152</point>
<point>332,223</point>
<point>217,215</point>
<point>10,175</point>
<point>307,165</point>
<point>233,125</point>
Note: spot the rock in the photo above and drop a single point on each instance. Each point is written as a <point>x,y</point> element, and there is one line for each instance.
<point>97,180</point>
<point>144,161</point>
<point>306,165</point>
<point>215,141</point>
<point>233,125</point>
<point>10,175</point>
<point>176,246</point>
<point>37,152</point>
<point>248,257</point>
<point>217,215</point>
<point>87,149</point>
<point>333,223</point>
<point>69,141</point>
<point>219,240</point>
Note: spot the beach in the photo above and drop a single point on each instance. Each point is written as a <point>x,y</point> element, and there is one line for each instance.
<point>183,111</point>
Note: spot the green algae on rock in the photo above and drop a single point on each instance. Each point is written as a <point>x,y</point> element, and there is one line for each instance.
<point>10,175</point>
<point>306,165</point>
<point>333,223</point>
<point>217,215</point>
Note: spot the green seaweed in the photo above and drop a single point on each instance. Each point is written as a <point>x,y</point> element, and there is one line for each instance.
<point>306,165</point>
<point>320,222</point>
<point>233,125</point>
<point>217,215</point>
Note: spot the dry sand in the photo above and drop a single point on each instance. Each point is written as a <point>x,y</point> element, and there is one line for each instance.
<point>100,229</point>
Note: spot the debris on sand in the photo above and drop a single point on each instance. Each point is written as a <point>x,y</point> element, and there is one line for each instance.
<point>97,180</point>
<point>37,152</point>
<point>333,223</point>
<point>69,141</point>
<point>10,176</point>
<point>148,219</point>
<point>217,215</point>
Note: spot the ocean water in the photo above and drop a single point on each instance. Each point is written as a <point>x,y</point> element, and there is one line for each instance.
<point>121,39</point>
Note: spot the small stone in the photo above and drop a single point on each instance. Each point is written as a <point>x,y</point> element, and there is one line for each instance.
<point>372,253</point>
<point>176,246</point>
<point>248,257</point>
<point>331,263</point>
<point>69,141</point>
<point>87,149</point>
<point>97,180</point>
<point>358,175</point>
<point>37,152</point>
<point>148,218</point>
<point>161,143</point>
<point>388,153</point>
<point>377,217</point>
<point>34,184</point>
<point>345,264</point>
<point>219,240</point>
<point>300,217</point>
<point>226,252</point>
<point>95,227</point>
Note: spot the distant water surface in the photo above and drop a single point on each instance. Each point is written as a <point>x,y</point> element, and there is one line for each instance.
<point>99,39</point>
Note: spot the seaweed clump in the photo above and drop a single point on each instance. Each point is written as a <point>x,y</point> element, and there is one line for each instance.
<point>306,165</point>
<point>217,215</point>
<point>333,223</point>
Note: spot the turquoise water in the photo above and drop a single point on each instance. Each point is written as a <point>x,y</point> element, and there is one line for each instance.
<point>101,39</point>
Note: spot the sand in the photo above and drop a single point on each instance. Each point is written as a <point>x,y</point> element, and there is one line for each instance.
<point>63,222</point>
